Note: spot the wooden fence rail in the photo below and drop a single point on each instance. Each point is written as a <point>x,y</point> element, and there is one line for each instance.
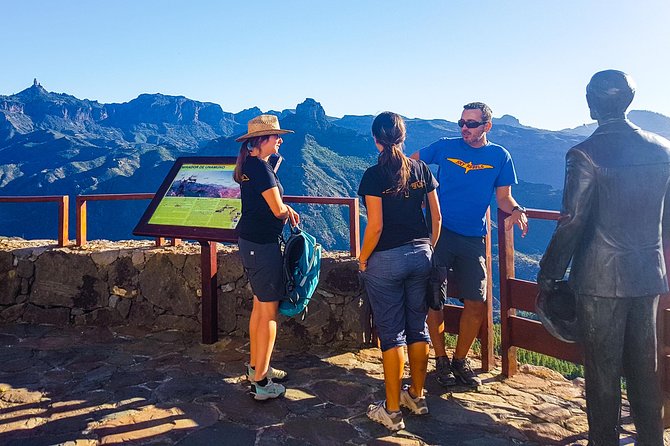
<point>521,332</point>
<point>63,209</point>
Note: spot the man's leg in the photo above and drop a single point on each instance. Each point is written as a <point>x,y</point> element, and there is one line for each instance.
<point>471,319</point>
<point>468,329</point>
<point>470,270</point>
<point>435,321</point>
<point>641,370</point>
<point>436,329</point>
<point>603,322</point>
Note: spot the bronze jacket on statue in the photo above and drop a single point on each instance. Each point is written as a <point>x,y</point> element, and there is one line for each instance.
<point>614,180</point>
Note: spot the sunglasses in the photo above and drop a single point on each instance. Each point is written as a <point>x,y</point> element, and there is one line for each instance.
<point>470,124</point>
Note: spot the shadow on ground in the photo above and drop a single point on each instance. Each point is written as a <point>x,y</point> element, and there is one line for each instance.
<point>89,386</point>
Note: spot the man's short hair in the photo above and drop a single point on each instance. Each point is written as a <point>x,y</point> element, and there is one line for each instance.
<point>487,114</point>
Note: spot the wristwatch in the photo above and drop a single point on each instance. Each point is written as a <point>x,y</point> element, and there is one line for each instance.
<point>519,208</point>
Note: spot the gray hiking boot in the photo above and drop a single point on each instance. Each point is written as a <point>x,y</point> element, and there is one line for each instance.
<point>443,373</point>
<point>417,405</point>
<point>377,412</point>
<point>274,374</point>
<point>464,373</point>
<point>266,392</point>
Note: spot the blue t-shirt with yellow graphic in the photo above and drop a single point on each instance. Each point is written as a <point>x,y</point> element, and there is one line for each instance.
<point>468,178</point>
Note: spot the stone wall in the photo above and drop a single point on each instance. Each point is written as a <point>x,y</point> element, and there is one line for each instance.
<point>135,283</point>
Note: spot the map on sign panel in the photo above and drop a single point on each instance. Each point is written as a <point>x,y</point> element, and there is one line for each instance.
<point>198,200</point>
<point>202,195</point>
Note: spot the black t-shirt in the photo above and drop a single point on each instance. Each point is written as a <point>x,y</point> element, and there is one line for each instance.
<point>258,224</point>
<point>402,215</point>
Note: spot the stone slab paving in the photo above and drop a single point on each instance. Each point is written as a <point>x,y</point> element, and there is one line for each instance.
<point>88,386</point>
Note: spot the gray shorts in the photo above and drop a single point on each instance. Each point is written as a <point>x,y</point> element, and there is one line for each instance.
<point>263,265</point>
<point>395,281</point>
<point>466,256</point>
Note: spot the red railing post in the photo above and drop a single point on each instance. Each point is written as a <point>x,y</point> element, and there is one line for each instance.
<point>81,220</point>
<point>354,229</point>
<point>63,221</point>
<point>486,330</point>
<point>506,269</point>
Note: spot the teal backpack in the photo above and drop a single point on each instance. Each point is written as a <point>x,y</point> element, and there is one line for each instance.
<point>302,265</point>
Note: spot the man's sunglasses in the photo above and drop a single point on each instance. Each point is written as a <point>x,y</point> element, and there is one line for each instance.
<point>470,124</point>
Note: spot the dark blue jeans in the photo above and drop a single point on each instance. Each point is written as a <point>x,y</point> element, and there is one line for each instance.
<point>395,281</point>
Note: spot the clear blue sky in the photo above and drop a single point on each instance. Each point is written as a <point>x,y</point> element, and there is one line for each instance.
<point>530,59</point>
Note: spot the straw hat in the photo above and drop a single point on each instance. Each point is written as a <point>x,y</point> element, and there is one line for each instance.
<point>263,125</point>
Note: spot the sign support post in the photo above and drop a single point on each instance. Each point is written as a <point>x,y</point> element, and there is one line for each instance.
<point>210,303</point>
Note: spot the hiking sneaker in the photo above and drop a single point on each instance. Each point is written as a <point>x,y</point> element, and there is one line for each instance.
<point>274,374</point>
<point>268,391</point>
<point>443,373</point>
<point>464,373</point>
<point>377,412</point>
<point>417,405</point>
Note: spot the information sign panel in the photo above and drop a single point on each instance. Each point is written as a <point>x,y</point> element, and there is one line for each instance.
<point>198,200</point>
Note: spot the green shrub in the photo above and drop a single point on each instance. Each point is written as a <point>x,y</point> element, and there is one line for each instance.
<point>565,368</point>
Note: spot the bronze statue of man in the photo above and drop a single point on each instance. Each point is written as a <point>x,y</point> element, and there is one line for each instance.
<point>616,208</point>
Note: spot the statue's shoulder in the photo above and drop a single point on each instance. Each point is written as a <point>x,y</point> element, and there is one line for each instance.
<point>655,139</point>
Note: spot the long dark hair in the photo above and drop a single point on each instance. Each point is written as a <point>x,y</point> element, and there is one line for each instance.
<point>388,129</point>
<point>247,146</point>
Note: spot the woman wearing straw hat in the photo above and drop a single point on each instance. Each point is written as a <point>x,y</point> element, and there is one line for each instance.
<point>263,217</point>
<point>395,263</point>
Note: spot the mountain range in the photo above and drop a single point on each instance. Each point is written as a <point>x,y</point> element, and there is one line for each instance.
<point>54,143</point>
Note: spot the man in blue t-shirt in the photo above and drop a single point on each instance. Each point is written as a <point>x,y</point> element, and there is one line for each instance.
<point>470,170</point>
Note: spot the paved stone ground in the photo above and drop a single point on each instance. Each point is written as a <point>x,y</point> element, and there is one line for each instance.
<point>99,386</point>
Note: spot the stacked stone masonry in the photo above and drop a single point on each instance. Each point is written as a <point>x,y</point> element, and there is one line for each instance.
<point>136,283</point>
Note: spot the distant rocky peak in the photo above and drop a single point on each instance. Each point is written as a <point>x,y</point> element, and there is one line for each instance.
<point>312,114</point>
<point>36,89</point>
<point>507,120</point>
<point>247,114</point>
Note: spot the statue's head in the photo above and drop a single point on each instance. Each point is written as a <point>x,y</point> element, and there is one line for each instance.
<point>609,93</point>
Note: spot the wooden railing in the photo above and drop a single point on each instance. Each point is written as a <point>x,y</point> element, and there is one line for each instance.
<point>351,203</point>
<point>516,294</point>
<point>81,218</point>
<point>518,331</point>
<point>63,209</point>
<point>81,208</point>
<point>354,215</point>
<point>521,332</point>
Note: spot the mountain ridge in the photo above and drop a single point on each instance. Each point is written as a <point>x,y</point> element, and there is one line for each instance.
<point>54,143</point>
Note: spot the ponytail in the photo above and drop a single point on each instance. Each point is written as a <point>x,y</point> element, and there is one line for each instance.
<point>388,129</point>
<point>396,167</point>
<point>247,146</point>
<point>241,158</point>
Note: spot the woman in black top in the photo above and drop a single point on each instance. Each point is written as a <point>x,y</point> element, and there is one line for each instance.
<point>263,217</point>
<point>395,263</point>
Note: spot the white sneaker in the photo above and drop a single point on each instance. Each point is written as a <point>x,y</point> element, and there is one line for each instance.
<point>377,412</point>
<point>417,405</point>
<point>268,391</point>
<point>274,374</point>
